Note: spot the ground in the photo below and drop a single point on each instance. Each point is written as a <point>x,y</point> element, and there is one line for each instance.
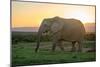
<point>24,54</point>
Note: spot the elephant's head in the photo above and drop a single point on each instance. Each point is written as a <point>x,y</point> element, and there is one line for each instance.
<point>49,24</point>
<point>44,28</point>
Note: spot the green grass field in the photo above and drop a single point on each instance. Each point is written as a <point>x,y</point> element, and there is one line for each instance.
<point>23,54</point>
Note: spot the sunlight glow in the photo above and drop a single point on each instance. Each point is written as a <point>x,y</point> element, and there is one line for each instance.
<point>82,16</point>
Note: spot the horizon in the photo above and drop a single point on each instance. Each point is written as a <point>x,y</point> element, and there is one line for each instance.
<point>89,27</point>
<point>39,26</point>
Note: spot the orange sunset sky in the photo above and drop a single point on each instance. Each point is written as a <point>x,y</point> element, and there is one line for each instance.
<point>31,14</point>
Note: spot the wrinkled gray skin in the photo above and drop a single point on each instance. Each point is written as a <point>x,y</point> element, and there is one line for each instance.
<point>61,29</point>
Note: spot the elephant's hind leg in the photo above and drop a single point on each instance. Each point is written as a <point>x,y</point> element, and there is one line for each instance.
<point>73,46</point>
<point>79,46</point>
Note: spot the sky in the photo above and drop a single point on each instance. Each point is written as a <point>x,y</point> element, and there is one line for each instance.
<point>31,14</point>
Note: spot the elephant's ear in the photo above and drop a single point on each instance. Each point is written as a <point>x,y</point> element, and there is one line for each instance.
<point>56,26</point>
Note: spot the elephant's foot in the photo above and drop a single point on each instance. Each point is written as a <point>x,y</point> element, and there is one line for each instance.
<point>73,50</point>
<point>79,50</point>
<point>52,50</point>
<point>53,47</point>
<point>62,49</point>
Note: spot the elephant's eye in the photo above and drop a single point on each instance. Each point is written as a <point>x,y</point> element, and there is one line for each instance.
<point>46,25</point>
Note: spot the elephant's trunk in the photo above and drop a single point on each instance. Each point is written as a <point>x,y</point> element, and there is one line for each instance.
<point>38,39</point>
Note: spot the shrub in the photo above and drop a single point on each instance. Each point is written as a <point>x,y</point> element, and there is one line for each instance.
<point>32,37</point>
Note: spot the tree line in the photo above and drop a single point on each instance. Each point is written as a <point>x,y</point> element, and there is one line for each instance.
<point>32,37</point>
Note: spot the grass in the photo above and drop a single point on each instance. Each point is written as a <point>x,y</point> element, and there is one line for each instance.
<point>23,54</point>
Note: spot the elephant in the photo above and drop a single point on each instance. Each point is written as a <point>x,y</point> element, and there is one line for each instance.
<point>62,29</point>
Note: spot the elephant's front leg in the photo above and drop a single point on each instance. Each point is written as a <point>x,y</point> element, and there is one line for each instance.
<point>59,43</point>
<point>54,46</point>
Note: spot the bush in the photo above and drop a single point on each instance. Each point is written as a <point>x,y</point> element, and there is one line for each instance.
<point>32,37</point>
<point>90,36</point>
